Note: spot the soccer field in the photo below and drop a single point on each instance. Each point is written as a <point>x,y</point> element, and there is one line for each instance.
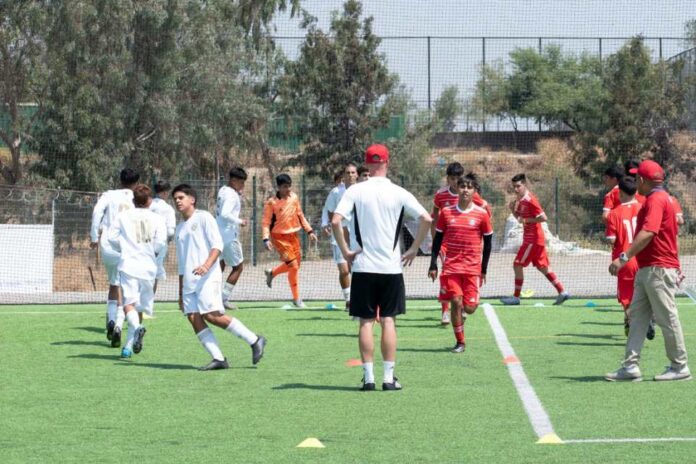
<point>67,397</point>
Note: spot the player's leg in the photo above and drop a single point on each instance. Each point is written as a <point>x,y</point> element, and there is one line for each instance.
<point>391,296</point>
<point>294,282</point>
<point>541,261</point>
<point>344,281</point>
<point>234,257</point>
<point>192,309</point>
<point>363,305</point>
<point>444,298</point>
<point>146,305</point>
<point>458,321</point>
<point>521,261</point>
<point>238,329</point>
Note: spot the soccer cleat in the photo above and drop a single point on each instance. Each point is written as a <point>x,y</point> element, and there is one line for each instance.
<point>395,385</point>
<point>510,300</point>
<point>110,329</point>
<point>671,373</point>
<point>625,374</point>
<point>459,348</point>
<point>116,338</point>
<point>126,353</point>
<point>445,319</point>
<point>229,305</point>
<point>348,306</point>
<point>299,304</point>
<point>257,350</point>
<point>651,331</point>
<point>561,298</point>
<point>269,277</point>
<point>214,365</point>
<point>367,387</point>
<point>138,339</point>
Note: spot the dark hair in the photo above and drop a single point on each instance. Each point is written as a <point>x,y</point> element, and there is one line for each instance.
<point>185,189</point>
<point>129,176</point>
<point>162,186</point>
<point>282,179</point>
<point>238,173</point>
<point>520,178</point>
<point>615,172</point>
<point>362,170</point>
<point>627,184</point>
<point>469,179</point>
<point>630,164</point>
<point>338,176</point>
<point>455,169</point>
<point>141,195</point>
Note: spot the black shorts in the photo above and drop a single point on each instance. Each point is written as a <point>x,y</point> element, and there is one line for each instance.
<point>368,291</point>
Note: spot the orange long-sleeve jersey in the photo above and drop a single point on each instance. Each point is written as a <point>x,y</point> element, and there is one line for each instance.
<point>283,216</point>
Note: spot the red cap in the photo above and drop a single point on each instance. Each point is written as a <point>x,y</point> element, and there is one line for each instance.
<point>376,153</point>
<point>649,170</point>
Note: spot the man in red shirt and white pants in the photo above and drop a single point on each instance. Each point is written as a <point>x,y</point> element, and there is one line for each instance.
<point>655,248</point>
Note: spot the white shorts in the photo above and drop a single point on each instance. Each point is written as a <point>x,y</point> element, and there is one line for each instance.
<point>337,255</point>
<point>138,292</point>
<point>206,299</point>
<point>110,258</point>
<point>161,273</point>
<point>232,253</point>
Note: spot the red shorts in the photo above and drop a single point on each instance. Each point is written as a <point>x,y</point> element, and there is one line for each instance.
<point>624,283</point>
<point>466,286</point>
<point>529,253</point>
<point>444,294</point>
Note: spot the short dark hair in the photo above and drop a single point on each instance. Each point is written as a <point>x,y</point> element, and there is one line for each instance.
<point>238,172</point>
<point>162,186</point>
<point>627,184</point>
<point>615,172</point>
<point>362,170</point>
<point>469,179</point>
<point>455,169</point>
<point>338,176</point>
<point>282,179</point>
<point>520,178</point>
<point>141,194</point>
<point>129,176</point>
<point>630,164</point>
<point>185,189</point>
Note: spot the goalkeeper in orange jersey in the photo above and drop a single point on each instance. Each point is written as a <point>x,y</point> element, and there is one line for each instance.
<point>282,218</point>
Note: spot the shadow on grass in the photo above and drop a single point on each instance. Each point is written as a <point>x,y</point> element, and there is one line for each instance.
<point>304,386</point>
<point>602,323</point>
<point>426,350</point>
<point>583,378</point>
<point>80,343</point>
<point>316,318</point>
<point>596,336</point>
<point>97,330</point>
<point>327,335</point>
<point>589,344</point>
<point>120,362</point>
<point>608,310</point>
<point>424,326</point>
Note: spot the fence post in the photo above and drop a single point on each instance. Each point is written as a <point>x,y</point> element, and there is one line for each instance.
<point>540,51</point>
<point>429,98</point>
<point>557,202</point>
<point>660,41</point>
<point>304,208</point>
<point>600,49</point>
<point>253,221</point>
<point>483,78</point>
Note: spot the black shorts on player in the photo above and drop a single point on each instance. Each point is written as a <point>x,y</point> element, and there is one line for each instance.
<point>369,291</point>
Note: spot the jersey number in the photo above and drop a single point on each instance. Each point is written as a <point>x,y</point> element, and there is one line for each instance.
<point>143,232</point>
<point>630,227</point>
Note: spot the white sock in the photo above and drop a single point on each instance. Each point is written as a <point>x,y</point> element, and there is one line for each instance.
<point>111,309</point>
<point>209,342</point>
<point>368,373</point>
<point>240,330</point>
<point>389,371</point>
<point>346,293</point>
<point>133,324</point>
<point>227,291</point>
<point>120,317</point>
<point>464,315</point>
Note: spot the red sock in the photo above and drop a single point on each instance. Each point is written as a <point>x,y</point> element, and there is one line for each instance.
<point>445,306</point>
<point>459,333</point>
<point>554,281</point>
<point>280,269</point>
<point>518,287</point>
<point>294,281</point>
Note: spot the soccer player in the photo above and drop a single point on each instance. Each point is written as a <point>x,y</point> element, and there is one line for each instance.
<point>229,206</point>
<point>631,166</point>
<point>611,178</point>
<point>621,227</point>
<point>363,173</point>
<point>656,251</point>
<point>282,219</point>
<point>528,211</point>
<point>462,228</point>
<point>377,207</point>
<point>161,206</point>
<point>198,249</point>
<point>350,177</point>
<point>140,235</point>
<point>108,206</point>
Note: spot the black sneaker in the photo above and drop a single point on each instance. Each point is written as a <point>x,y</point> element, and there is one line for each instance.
<point>138,339</point>
<point>651,331</point>
<point>366,387</point>
<point>110,329</point>
<point>459,348</point>
<point>395,385</point>
<point>116,338</point>
<point>214,365</point>
<point>257,350</point>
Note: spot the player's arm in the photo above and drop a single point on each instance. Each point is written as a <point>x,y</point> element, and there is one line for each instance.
<point>541,217</point>
<point>181,293</point>
<point>487,248</point>
<point>171,224</point>
<point>214,241</point>
<point>435,215</point>
<point>159,241</point>
<point>304,223</point>
<point>114,234</point>
<point>610,233</point>
<point>266,223</point>
<point>228,208</point>
<point>325,216</point>
<point>424,221</point>
<point>97,217</point>
<point>640,241</point>
<point>435,252</point>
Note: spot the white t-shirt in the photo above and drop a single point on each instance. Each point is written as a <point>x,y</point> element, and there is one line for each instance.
<point>228,207</point>
<point>376,208</point>
<point>195,238</point>
<point>330,205</point>
<point>166,212</point>
<point>140,235</point>
<point>108,206</point>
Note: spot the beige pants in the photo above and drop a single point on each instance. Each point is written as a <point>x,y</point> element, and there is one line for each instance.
<point>653,296</point>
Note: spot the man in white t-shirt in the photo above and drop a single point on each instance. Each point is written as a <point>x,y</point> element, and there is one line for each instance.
<point>140,235</point>
<point>198,248</point>
<point>161,206</point>
<point>350,177</point>
<point>377,208</point>
<point>228,208</point>
<point>108,206</point>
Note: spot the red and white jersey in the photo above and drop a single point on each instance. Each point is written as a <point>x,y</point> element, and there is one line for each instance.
<point>621,226</point>
<point>444,198</point>
<point>611,199</point>
<point>528,207</point>
<point>462,236</point>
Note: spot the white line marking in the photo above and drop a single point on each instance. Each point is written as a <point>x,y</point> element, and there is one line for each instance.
<point>629,440</point>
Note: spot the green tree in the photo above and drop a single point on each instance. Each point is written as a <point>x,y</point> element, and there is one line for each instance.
<point>448,107</point>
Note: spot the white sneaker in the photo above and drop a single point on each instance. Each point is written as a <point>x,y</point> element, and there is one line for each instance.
<point>625,374</point>
<point>298,304</point>
<point>445,318</point>
<point>674,374</point>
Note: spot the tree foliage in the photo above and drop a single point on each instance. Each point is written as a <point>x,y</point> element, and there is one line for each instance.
<point>448,107</point>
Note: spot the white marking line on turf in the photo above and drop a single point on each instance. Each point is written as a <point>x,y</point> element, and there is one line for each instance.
<point>628,440</point>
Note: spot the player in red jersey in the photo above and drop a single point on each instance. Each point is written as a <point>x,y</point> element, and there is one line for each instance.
<point>460,229</point>
<point>632,165</point>
<point>528,211</point>
<point>621,228</point>
<point>611,180</point>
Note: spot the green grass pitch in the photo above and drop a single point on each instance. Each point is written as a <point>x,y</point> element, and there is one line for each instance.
<point>67,397</point>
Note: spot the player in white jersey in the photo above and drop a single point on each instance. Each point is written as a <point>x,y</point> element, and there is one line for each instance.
<point>198,248</point>
<point>228,208</point>
<point>350,177</point>
<point>108,206</point>
<point>161,206</point>
<point>139,235</point>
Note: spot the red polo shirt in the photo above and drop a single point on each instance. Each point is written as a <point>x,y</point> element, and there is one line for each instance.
<point>657,216</point>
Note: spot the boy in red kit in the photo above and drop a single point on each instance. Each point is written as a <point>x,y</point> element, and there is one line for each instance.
<point>611,180</point>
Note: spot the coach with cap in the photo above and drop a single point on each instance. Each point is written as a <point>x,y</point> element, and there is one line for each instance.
<point>656,251</point>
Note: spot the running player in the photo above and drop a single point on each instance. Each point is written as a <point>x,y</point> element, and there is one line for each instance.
<point>611,179</point>
<point>461,229</point>
<point>528,211</point>
<point>108,206</point>
<point>140,235</point>
<point>161,206</point>
<point>282,219</point>
<point>198,249</point>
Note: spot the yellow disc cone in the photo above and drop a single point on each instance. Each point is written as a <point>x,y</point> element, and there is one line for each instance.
<point>311,443</point>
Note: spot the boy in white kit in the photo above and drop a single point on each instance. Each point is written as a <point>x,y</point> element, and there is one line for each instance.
<point>160,206</point>
<point>108,206</point>
<point>140,235</point>
<point>198,248</point>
